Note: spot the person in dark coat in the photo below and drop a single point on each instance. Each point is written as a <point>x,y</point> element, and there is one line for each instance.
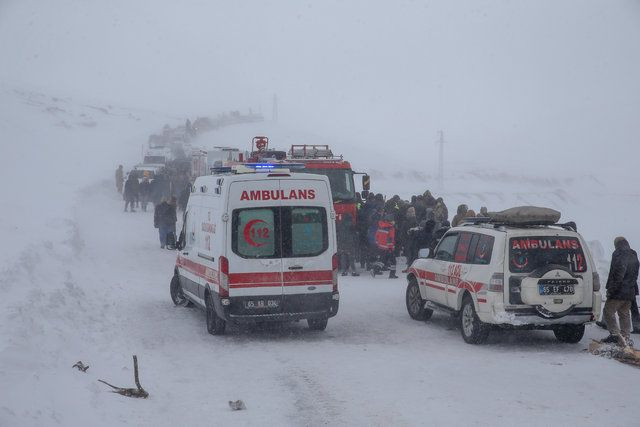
<point>346,234</point>
<point>159,188</point>
<point>145,193</point>
<point>622,288</point>
<point>363,224</point>
<point>131,188</point>
<point>404,234</point>
<point>164,219</point>
<point>429,200</point>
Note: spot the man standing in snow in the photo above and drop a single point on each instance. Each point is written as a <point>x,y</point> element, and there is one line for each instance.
<point>131,188</point>
<point>144,192</point>
<point>119,179</point>
<point>622,288</point>
<point>164,219</point>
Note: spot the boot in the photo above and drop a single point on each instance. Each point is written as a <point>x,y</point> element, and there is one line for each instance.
<point>614,339</point>
<point>392,274</point>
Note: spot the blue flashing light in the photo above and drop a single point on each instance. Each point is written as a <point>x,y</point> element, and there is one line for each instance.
<point>271,166</point>
<point>263,166</point>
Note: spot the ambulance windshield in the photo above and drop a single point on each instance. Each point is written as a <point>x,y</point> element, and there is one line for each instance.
<point>340,180</point>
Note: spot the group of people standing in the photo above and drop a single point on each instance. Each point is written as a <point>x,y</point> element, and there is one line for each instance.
<point>161,192</point>
<point>386,229</point>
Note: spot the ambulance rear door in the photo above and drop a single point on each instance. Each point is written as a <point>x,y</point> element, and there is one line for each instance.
<point>308,244</point>
<point>255,255</point>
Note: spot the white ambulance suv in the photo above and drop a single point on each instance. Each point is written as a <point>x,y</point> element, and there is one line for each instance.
<point>515,269</point>
<point>259,247</point>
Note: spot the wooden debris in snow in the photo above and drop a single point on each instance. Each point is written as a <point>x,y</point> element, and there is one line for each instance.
<point>237,405</point>
<point>628,355</point>
<point>130,392</point>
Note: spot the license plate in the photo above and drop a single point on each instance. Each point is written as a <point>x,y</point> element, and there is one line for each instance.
<point>556,289</point>
<point>261,303</point>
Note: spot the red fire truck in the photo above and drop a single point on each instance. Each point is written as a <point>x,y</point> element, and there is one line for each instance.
<point>318,159</point>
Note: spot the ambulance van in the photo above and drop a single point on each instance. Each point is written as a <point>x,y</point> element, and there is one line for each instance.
<point>258,247</point>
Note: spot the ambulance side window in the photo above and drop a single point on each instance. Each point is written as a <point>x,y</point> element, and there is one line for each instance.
<point>446,248</point>
<point>484,250</point>
<point>254,233</point>
<point>462,249</point>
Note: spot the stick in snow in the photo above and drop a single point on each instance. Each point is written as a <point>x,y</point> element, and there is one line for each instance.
<point>130,392</point>
<point>81,366</point>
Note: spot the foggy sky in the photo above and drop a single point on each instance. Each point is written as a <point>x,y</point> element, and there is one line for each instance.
<point>502,77</point>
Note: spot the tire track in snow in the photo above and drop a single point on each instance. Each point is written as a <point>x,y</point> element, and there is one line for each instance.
<point>314,404</point>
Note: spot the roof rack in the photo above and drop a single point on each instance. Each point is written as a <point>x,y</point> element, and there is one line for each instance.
<point>570,226</point>
<point>311,151</point>
<point>522,216</point>
<point>222,169</point>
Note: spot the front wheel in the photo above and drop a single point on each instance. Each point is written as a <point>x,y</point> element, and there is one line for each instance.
<point>177,296</point>
<point>569,333</point>
<point>473,330</point>
<point>215,325</point>
<point>415,303</point>
<point>317,324</point>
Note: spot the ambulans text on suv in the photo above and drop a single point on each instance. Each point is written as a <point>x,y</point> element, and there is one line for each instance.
<point>259,247</point>
<point>516,269</point>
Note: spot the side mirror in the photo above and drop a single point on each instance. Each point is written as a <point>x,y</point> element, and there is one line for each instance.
<point>366,183</point>
<point>424,253</point>
<point>364,194</point>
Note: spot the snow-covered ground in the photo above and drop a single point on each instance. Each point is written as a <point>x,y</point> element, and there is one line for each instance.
<point>81,280</point>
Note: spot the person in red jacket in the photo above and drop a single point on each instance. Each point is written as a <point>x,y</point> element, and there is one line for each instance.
<point>385,240</point>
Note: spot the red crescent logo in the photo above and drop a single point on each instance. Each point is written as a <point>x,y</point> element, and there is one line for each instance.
<point>247,233</point>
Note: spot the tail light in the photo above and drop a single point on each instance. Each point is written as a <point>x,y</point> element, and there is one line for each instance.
<point>334,269</point>
<point>596,282</point>
<point>223,276</point>
<point>496,283</point>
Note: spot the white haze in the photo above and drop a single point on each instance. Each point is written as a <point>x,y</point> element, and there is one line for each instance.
<point>557,80</point>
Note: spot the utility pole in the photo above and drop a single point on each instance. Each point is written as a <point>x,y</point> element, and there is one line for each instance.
<point>274,111</point>
<point>440,143</point>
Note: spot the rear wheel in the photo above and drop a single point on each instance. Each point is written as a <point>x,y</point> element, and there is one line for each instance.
<point>569,333</point>
<point>473,330</point>
<point>317,324</point>
<point>415,303</point>
<point>177,296</point>
<point>215,325</point>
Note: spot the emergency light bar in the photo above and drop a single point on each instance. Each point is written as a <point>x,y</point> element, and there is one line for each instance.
<point>272,166</point>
